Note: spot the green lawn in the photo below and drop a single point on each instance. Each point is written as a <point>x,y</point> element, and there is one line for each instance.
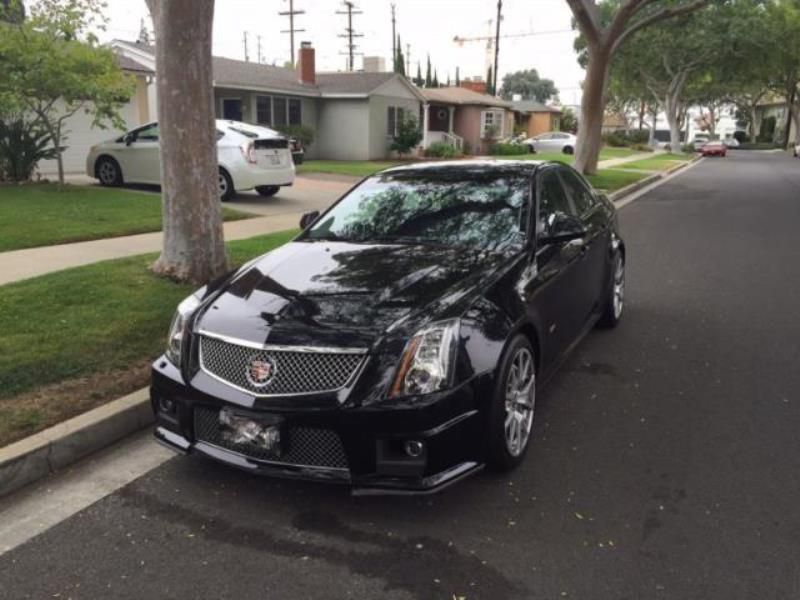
<point>99,318</point>
<point>662,162</point>
<point>356,168</point>
<point>611,180</point>
<point>610,152</point>
<point>46,214</point>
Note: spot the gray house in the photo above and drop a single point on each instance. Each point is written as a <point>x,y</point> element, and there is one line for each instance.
<point>353,114</point>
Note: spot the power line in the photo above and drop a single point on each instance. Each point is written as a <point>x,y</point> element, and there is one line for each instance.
<point>291,31</point>
<point>349,31</point>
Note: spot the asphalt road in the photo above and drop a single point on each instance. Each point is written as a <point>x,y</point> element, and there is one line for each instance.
<point>666,461</point>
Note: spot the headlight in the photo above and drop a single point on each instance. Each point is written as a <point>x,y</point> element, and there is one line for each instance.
<point>428,360</point>
<point>179,326</point>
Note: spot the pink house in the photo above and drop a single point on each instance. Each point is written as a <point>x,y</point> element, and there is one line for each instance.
<point>465,119</point>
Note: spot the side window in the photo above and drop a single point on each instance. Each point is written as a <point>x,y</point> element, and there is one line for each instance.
<point>552,200</point>
<point>148,134</point>
<point>390,120</point>
<point>295,112</point>
<point>581,195</point>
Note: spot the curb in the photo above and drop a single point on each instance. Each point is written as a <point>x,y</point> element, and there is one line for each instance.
<point>43,453</point>
<point>649,180</point>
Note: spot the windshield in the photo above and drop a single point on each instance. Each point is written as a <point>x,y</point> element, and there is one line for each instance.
<point>476,208</point>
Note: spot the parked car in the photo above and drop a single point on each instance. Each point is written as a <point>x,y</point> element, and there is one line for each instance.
<point>714,148</point>
<point>699,140</point>
<point>554,141</point>
<point>731,142</point>
<point>249,157</point>
<point>397,344</point>
<point>797,150</point>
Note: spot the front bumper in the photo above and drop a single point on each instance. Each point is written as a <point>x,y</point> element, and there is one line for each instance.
<point>373,457</point>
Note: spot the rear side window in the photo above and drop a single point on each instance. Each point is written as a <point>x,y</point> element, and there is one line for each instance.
<point>581,195</point>
<point>552,199</point>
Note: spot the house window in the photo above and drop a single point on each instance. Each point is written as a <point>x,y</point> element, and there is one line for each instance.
<point>394,117</point>
<point>279,111</point>
<point>491,124</point>
<point>295,111</point>
<point>264,110</point>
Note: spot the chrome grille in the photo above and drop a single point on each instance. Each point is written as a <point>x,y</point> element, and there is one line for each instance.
<point>295,371</point>
<point>307,446</point>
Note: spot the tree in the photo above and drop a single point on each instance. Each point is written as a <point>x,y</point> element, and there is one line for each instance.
<point>12,11</point>
<point>604,28</point>
<point>399,59</point>
<point>569,121</point>
<point>419,80</point>
<point>53,68</point>
<point>408,135</point>
<point>458,78</point>
<point>435,78</point>
<point>784,25</point>
<point>529,85</point>
<point>428,76</point>
<point>193,248</point>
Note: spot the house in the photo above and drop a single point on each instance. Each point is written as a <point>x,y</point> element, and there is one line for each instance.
<point>535,118</point>
<point>465,119</point>
<point>353,114</point>
<point>615,121</point>
<point>771,118</point>
<point>81,135</point>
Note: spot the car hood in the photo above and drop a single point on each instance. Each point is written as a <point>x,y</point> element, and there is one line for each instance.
<point>342,294</point>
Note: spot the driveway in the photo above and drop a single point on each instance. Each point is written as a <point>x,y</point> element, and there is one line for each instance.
<point>665,460</point>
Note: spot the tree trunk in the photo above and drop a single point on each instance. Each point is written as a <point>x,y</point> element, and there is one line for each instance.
<point>652,140</point>
<point>712,123</point>
<point>755,124</point>
<point>590,127</point>
<point>790,104</point>
<point>194,248</point>
<point>673,112</point>
<point>796,119</point>
<point>642,110</point>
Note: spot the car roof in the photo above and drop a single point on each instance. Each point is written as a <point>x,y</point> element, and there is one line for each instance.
<point>449,167</point>
<point>260,130</point>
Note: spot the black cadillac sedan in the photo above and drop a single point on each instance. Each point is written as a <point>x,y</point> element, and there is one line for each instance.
<point>398,342</point>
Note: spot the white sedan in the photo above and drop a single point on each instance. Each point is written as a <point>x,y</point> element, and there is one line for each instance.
<point>553,141</point>
<point>249,157</point>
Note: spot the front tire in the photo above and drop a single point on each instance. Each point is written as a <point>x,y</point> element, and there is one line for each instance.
<point>226,190</point>
<point>108,172</point>
<point>513,403</point>
<point>569,150</point>
<point>615,296</point>
<point>267,190</point>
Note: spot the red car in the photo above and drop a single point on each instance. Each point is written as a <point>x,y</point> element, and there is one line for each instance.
<point>714,148</point>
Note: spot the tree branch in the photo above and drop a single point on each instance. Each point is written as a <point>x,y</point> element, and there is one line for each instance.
<point>587,19</point>
<point>660,15</point>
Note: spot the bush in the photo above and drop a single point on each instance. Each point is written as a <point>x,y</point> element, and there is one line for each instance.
<point>688,149</point>
<point>616,139</point>
<point>408,136</point>
<point>22,146</point>
<point>767,132</point>
<point>508,149</point>
<point>636,136</point>
<point>740,136</point>
<point>642,148</point>
<point>303,133</point>
<point>442,150</point>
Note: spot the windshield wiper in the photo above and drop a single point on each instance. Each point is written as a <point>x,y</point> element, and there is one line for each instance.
<point>402,239</point>
<point>328,236</point>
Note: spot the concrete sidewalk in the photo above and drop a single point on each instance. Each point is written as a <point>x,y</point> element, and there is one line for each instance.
<point>610,163</point>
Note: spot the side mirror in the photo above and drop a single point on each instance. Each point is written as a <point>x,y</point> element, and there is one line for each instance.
<point>128,139</point>
<point>308,218</point>
<point>561,227</point>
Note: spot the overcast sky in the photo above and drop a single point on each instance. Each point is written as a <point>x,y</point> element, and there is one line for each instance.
<point>427,25</point>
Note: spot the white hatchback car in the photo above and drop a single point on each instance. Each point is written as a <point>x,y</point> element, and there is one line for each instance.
<point>249,157</point>
<point>553,141</point>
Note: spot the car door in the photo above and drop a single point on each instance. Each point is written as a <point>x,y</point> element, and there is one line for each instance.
<point>549,290</point>
<point>543,142</point>
<point>142,155</point>
<point>593,263</point>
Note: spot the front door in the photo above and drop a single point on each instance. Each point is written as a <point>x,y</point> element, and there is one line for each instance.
<point>232,109</point>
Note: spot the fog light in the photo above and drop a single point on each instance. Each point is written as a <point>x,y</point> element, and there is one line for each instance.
<point>414,448</point>
<point>166,405</point>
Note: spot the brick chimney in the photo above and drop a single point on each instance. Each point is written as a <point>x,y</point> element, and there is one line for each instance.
<point>476,84</point>
<point>306,69</point>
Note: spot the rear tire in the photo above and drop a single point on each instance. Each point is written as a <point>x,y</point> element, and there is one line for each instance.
<point>615,296</point>
<point>569,150</point>
<point>108,172</point>
<point>267,190</point>
<point>532,148</point>
<point>510,419</point>
<point>226,190</point>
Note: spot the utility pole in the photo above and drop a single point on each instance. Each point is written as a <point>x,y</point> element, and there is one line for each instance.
<point>497,45</point>
<point>291,31</point>
<point>258,58</point>
<point>246,55</point>
<point>394,43</point>
<point>349,32</point>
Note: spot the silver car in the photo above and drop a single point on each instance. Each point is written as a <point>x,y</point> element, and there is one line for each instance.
<point>552,141</point>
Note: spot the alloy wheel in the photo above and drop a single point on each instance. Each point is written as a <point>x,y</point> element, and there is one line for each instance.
<point>619,287</point>
<point>107,172</point>
<point>520,401</point>
<point>223,185</point>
